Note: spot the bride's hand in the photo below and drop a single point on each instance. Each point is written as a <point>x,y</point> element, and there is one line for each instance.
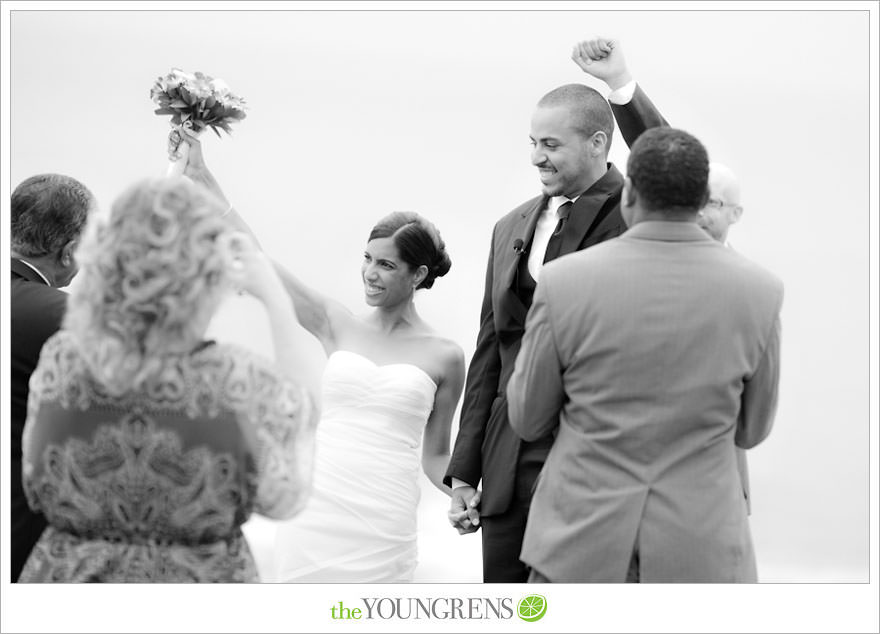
<point>195,163</point>
<point>196,169</point>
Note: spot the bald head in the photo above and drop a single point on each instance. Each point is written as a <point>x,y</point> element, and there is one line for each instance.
<point>723,184</point>
<point>724,207</point>
<point>589,110</point>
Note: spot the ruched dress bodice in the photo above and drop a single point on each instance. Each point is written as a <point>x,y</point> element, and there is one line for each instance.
<point>359,526</point>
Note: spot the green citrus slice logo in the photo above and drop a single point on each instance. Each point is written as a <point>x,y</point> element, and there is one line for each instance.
<point>532,607</point>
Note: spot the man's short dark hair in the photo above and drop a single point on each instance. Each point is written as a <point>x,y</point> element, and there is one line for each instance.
<point>669,169</point>
<point>48,211</point>
<point>590,109</point>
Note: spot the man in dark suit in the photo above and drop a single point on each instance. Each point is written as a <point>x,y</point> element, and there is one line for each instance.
<point>579,207</point>
<point>49,212</point>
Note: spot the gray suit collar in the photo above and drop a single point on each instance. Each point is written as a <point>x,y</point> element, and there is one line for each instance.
<point>668,231</point>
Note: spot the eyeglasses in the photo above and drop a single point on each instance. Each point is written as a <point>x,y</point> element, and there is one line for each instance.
<point>716,203</point>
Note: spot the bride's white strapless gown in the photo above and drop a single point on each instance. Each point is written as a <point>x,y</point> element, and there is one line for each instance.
<point>359,525</point>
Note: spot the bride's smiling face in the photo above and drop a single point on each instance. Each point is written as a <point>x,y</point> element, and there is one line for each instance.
<point>388,280</point>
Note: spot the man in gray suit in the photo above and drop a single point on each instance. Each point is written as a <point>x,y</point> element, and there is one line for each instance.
<point>721,210</point>
<point>652,357</point>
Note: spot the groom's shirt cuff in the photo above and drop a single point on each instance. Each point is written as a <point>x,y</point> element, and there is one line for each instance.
<point>624,94</point>
<point>458,483</point>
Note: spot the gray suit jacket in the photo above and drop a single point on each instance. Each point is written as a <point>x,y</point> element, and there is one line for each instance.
<point>654,356</point>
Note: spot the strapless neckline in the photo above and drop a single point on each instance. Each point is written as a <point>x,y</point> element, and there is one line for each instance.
<point>380,366</point>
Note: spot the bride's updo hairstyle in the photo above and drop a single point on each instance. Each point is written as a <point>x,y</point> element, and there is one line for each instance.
<point>418,242</point>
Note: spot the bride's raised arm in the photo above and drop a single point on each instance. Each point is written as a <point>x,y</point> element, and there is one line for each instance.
<point>320,315</point>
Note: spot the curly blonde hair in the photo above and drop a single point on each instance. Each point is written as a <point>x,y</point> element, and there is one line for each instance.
<point>151,277</point>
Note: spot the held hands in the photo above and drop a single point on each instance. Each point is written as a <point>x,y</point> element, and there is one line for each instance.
<point>464,513</point>
<point>602,58</point>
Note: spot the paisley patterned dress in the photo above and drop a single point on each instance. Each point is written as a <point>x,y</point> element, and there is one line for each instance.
<point>154,486</point>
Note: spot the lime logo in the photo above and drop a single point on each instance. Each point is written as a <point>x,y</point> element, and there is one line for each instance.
<point>532,607</point>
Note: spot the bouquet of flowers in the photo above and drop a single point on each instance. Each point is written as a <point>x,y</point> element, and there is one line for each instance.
<point>195,102</point>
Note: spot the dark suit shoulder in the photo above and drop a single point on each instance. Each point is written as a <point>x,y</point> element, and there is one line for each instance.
<point>521,210</point>
<point>35,307</point>
<point>514,221</point>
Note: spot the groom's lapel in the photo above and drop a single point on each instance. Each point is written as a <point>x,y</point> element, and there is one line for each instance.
<point>511,310</point>
<point>590,210</point>
<point>522,229</point>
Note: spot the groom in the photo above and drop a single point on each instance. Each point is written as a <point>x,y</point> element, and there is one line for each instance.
<point>579,207</point>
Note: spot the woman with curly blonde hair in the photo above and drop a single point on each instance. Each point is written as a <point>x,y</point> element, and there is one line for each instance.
<point>146,447</point>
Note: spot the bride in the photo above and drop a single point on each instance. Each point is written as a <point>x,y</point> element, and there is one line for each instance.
<point>391,386</point>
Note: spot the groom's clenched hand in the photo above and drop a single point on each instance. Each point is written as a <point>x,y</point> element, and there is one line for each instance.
<point>602,58</point>
<point>464,511</point>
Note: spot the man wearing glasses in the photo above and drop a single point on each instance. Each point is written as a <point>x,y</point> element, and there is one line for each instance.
<point>723,207</point>
<point>722,210</point>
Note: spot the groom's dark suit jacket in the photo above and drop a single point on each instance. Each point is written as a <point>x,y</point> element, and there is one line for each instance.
<point>486,446</point>
<point>37,310</point>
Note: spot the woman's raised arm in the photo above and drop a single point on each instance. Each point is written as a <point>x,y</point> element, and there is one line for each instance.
<point>321,316</point>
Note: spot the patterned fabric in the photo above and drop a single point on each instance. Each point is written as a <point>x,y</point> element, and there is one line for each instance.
<point>154,486</point>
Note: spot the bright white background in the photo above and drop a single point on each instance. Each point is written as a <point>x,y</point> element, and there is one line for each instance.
<point>354,114</point>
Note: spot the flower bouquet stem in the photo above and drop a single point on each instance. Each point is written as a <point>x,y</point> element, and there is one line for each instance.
<point>178,149</point>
